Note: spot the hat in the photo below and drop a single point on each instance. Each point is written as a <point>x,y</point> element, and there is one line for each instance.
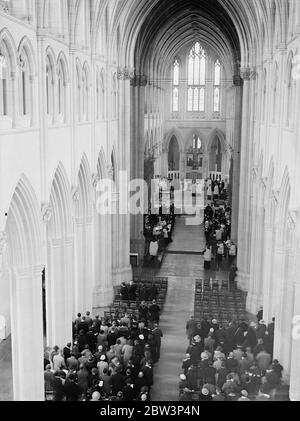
<point>262,322</point>
<point>205,391</point>
<point>102,358</point>
<point>141,337</point>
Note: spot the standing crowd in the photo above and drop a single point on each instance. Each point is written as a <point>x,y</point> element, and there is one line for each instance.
<point>229,363</point>
<point>110,358</point>
<point>219,246</point>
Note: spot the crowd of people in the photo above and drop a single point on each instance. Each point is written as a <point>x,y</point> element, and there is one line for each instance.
<point>230,363</point>
<point>109,359</point>
<point>219,246</point>
<point>158,235</point>
<point>216,189</point>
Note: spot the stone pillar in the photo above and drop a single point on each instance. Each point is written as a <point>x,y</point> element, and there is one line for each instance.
<point>267,272</point>
<point>244,193</point>
<point>103,289</point>
<point>83,277</point>
<point>27,333</point>
<point>236,156</point>
<point>255,287</point>
<point>124,270</point>
<point>295,361</point>
<point>59,287</point>
<point>278,291</point>
<point>138,84</point>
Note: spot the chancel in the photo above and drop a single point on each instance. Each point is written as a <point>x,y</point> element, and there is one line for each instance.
<point>199,98</point>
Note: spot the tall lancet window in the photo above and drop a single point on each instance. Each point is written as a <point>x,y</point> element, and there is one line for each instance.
<point>217,84</point>
<point>176,86</point>
<point>196,78</point>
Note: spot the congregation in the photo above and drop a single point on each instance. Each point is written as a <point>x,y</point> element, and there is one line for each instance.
<point>230,362</point>
<point>219,247</point>
<point>111,358</point>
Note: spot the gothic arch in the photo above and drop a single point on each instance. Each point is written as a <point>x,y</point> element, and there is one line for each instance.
<point>179,137</point>
<point>102,165</point>
<point>60,224</point>
<point>84,207</point>
<point>24,300</point>
<point>10,47</point>
<point>211,137</point>
<point>64,64</point>
<point>23,227</point>
<point>26,46</point>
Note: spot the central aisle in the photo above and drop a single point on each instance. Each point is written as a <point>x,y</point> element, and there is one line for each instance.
<point>182,270</point>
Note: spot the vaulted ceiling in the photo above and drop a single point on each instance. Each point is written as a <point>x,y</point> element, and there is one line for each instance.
<point>156,30</point>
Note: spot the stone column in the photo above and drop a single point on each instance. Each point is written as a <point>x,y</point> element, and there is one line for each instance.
<point>278,296</point>
<point>27,333</point>
<point>103,289</point>
<point>125,75</point>
<point>83,276</point>
<point>267,272</point>
<point>255,287</point>
<point>138,84</point>
<point>295,360</point>
<point>236,156</point>
<point>244,193</point>
<point>59,287</point>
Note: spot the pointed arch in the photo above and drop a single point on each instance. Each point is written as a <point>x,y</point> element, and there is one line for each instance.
<point>84,207</point>
<point>23,298</point>
<point>8,42</point>
<point>102,165</point>
<point>26,47</point>
<point>23,226</point>
<point>211,137</point>
<point>62,59</point>
<point>60,224</point>
<point>174,132</point>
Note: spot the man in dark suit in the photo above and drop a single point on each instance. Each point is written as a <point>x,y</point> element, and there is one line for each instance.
<point>124,292</point>
<point>154,311</point>
<point>71,389</point>
<point>117,382</point>
<point>67,352</point>
<point>132,291</point>
<point>129,393</point>
<point>83,325</point>
<point>157,335</point>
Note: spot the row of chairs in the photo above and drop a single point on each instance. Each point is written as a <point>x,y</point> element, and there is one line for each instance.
<point>119,306</point>
<point>214,304</point>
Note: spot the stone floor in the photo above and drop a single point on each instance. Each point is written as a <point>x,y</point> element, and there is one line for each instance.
<point>182,270</point>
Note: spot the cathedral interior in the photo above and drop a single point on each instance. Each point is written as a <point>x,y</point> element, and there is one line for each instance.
<point>124,90</point>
